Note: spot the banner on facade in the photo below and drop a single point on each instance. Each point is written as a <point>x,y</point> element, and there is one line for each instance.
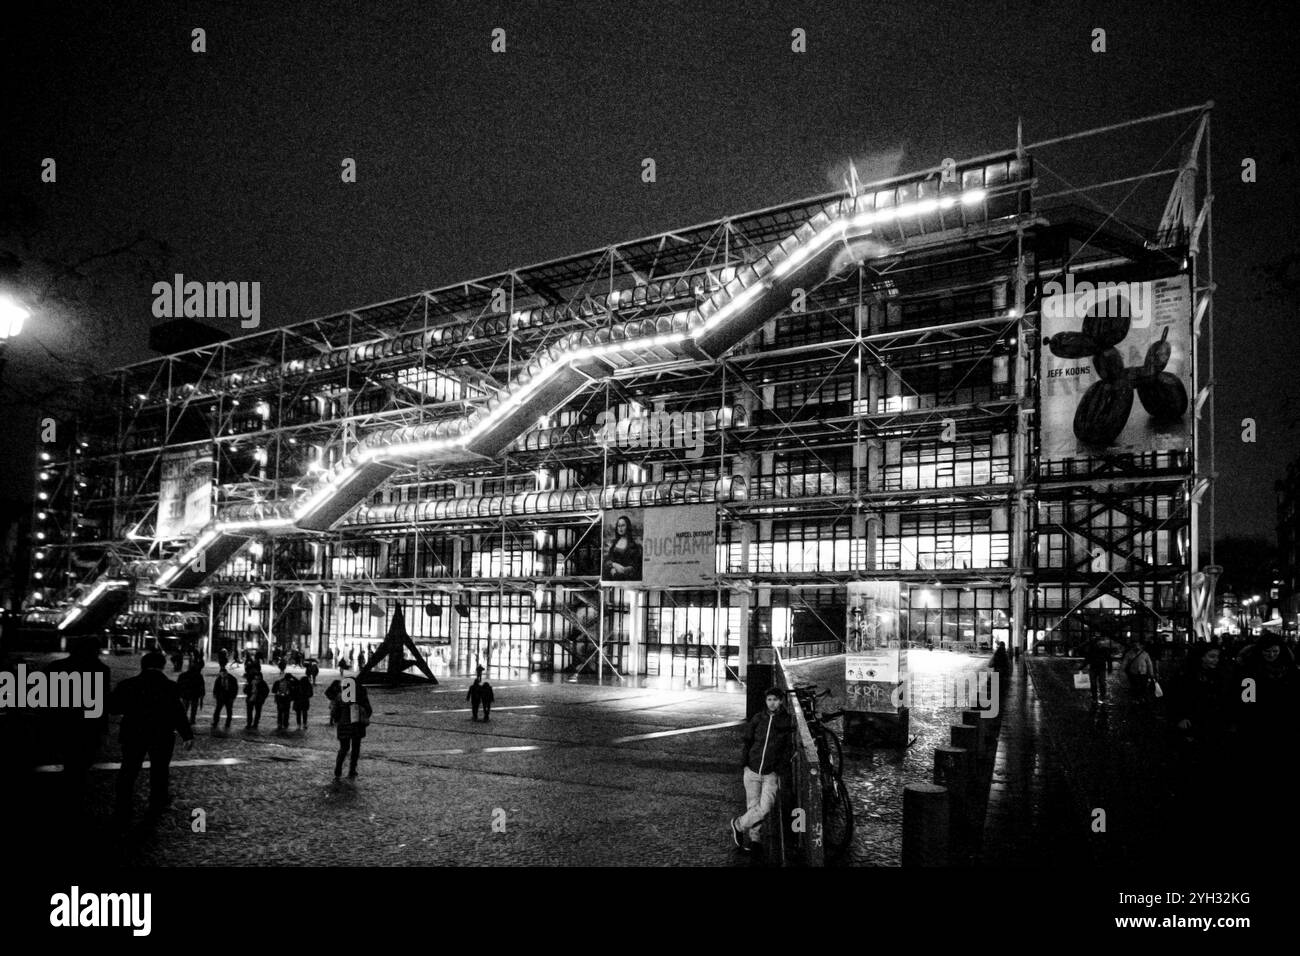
<point>1116,369</point>
<point>659,547</point>
<point>185,493</point>
<point>875,662</point>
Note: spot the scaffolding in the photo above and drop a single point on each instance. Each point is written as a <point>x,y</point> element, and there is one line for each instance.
<point>864,371</point>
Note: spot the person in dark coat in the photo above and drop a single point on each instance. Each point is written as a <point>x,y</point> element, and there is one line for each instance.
<point>225,690</point>
<point>313,670</point>
<point>192,688</point>
<point>768,747</point>
<point>1001,663</point>
<point>284,693</point>
<point>78,735</point>
<point>351,717</point>
<point>1096,657</point>
<point>152,716</point>
<point>332,694</point>
<point>255,693</point>
<point>1202,708</point>
<point>361,660</point>
<point>1269,707</point>
<point>475,695</point>
<point>301,701</point>
<point>486,697</point>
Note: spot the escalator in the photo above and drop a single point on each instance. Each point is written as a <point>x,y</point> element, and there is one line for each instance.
<point>759,290</point>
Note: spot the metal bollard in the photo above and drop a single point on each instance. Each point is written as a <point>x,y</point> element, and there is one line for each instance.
<point>925,825</point>
<point>954,768</point>
<point>987,730</point>
<point>967,736</point>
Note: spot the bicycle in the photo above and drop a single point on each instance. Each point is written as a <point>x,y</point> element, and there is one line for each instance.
<point>837,809</point>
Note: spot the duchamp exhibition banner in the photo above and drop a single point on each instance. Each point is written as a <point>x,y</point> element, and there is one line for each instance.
<point>1116,370</point>
<point>659,547</point>
<point>185,493</point>
<point>873,670</point>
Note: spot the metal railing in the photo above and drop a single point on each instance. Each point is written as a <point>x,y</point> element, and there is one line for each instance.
<point>802,789</point>
<point>799,652</point>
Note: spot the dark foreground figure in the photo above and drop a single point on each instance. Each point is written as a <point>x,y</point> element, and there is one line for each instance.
<point>351,719</point>
<point>152,716</point>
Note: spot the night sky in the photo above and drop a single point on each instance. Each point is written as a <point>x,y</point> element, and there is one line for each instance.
<point>470,162</point>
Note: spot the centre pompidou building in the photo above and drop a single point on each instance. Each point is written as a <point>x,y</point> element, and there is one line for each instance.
<point>867,389</point>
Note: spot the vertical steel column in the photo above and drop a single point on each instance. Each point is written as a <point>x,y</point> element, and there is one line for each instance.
<point>1020,523</point>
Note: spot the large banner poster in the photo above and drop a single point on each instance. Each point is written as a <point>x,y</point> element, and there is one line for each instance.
<point>1116,370</point>
<point>873,669</point>
<point>185,493</point>
<point>659,547</point>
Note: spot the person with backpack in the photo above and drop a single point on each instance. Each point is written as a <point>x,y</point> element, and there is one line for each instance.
<point>301,701</point>
<point>192,688</point>
<point>1140,670</point>
<point>255,693</point>
<point>351,711</point>
<point>224,691</point>
<point>284,693</point>
<point>332,694</point>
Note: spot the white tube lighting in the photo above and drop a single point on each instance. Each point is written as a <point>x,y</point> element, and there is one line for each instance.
<point>829,233</point>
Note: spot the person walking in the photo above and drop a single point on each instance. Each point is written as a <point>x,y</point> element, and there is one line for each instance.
<point>1001,663</point>
<point>284,693</point>
<point>332,694</point>
<point>351,710</point>
<point>225,689</point>
<point>192,688</point>
<point>255,693</point>
<point>1096,656</point>
<point>361,660</point>
<point>301,701</point>
<point>767,749</point>
<point>475,695</point>
<point>152,716</point>
<point>1140,670</point>
<point>313,670</point>
<point>485,698</point>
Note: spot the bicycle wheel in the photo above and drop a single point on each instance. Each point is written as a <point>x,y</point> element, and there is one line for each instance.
<point>834,751</point>
<point>837,818</point>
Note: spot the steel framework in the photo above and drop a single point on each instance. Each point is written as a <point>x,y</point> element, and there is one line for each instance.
<point>864,368</point>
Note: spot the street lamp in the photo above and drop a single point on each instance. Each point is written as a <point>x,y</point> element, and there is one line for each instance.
<point>12,317</point>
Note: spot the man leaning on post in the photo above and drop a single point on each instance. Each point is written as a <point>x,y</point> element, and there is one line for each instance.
<point>152,716</point>
<point>769,741</point>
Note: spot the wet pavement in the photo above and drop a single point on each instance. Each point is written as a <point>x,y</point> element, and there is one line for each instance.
<point>1031,817</point>
<point>565,774</point>
<point>875,778</point>
<point>571,773</point>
